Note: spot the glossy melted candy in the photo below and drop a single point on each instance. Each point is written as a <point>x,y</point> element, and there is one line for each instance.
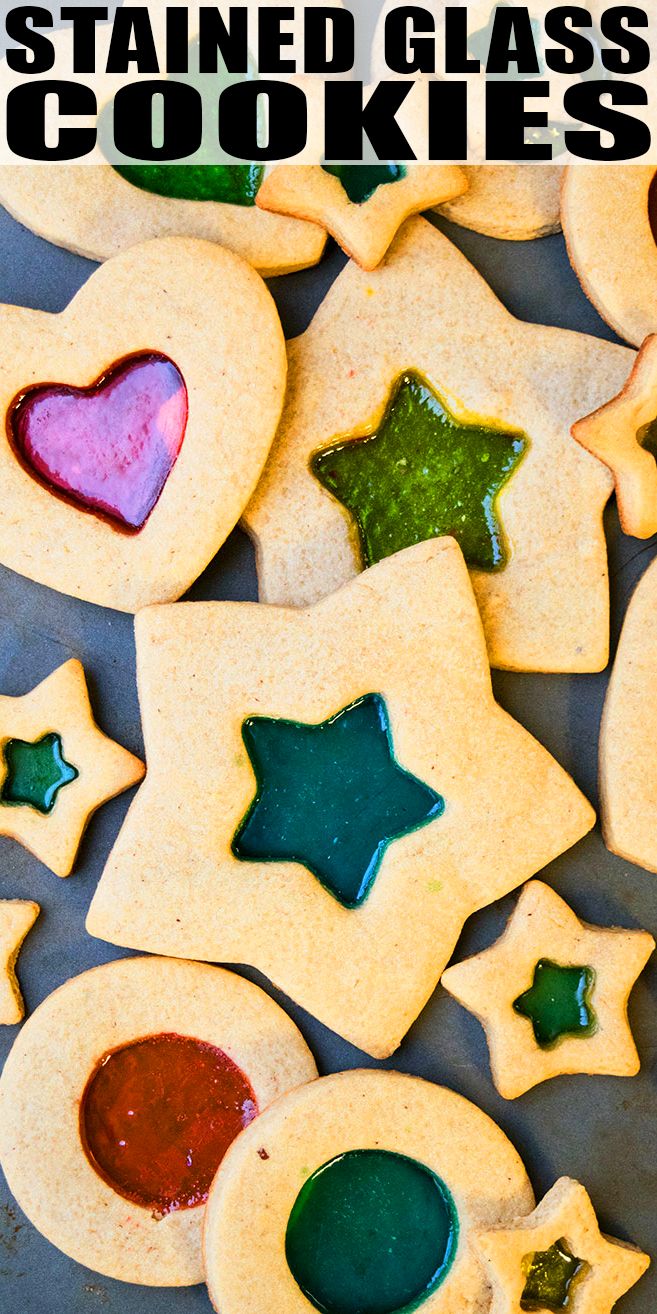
<point>549,1278</point>
<point>360,181</point>
<point>157,1116</point>
<point>232,184</point>
<point>424,473</point>
<point>371,1232</point>
<point>108,448</point>
<point>35,772</point>
<point>558,1003</point>
<point>331,796</point>
<point>652,207</point>
<point>647,437</point>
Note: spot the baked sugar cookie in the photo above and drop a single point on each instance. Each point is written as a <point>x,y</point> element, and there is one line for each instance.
<point>361,1191</point>
<point>57,767</point>
<point>119,1098</point>
<point>513,201</point>
<point>17,916</point>
<point>347,792</point>
<point>628,762</point>
<point>436,412</point>
<point>607,218</point>
<point>552,994</point>
<point>174,349</point>
<point>557,1258</point>
<point>623,434</point>
<point>361,205</point>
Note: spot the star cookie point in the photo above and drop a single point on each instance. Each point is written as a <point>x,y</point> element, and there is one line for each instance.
<point>57,767</point>
<point>552,994</point>
<point>17,916</point>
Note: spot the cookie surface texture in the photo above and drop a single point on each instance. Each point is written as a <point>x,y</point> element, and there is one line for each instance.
<point>17,916</point>
<point>454,777</point>
<point>108,1039</point>
<point>359,1124</point>
<point>623,434</point>
<point>557,1258</point>
<point>361,206</point>
<point>513,201</point>
<point>57,767</point>
<point>153,352</point>
<point>606,219</point>
<point>552,994</point>
<point>628,769</point>
<point>426,319</point>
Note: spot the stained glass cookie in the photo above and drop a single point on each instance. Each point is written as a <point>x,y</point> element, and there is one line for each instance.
<point>552,994</point>
<point>347,792</point>
<point>360,1192</point>
<point>120,1097</point>
<point>438,413</point>
<point>137,422</point>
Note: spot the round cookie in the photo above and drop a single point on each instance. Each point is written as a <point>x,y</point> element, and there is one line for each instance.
<point>190,1019</point>
<point>512,201</point>
<point>175,348</point>
<point>429,1155</point>
<point>606,219</point>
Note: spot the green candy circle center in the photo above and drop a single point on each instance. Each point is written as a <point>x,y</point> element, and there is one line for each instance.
<point>371,1232</point>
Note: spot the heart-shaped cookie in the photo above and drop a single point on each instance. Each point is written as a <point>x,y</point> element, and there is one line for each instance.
<point>137,422</point>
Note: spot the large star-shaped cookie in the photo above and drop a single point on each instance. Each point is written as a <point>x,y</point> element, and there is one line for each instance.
<point>427,313</point>
<point>57,767</point>
<point>408,632</point>
<point>552,994</point>
<point>623,434</point>
<point>362,206</point>
<point>557,1258</point>
<point>16,918</point>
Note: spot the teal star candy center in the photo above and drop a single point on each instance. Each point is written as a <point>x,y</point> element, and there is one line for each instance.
<point>331,796</point>
<point>360,181</point>
<point>424,473</point>
<point>558,1003</point>
<point>35,772</point>
<point>550,1275</point>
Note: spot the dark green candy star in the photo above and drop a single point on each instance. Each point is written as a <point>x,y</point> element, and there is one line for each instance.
<point>360,181</point>
<point>550,1275</point>
<point>558,1002</point>
<point>35,772</point>
<point>232,184</point>
<point>422,474</point>
<point>331,796</point>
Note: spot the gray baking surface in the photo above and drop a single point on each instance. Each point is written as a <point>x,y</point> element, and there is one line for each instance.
<point>600,1130</point>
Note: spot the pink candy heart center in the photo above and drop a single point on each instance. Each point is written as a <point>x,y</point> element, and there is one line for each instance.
<point>108,448</point>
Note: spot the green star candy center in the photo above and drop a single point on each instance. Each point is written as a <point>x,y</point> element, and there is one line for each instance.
<point>331,796</point>
<point>550,1275</point>
<point>424,473</point>
<point>558,1003</point>
<point>360,181</point>
<point>35,772</point>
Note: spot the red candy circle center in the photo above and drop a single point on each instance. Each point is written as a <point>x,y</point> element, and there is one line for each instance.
<point>157,1116</point>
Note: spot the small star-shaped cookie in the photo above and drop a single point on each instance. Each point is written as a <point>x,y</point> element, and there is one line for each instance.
<point>394,662</point>
<point>16,918</point>
<point>423,473</point>
<point>361,205</point>
<point>552,994</point>
<point>311,779</point>
<point>57,767</point>
<point>557,1258</point>
<point>623,434</point>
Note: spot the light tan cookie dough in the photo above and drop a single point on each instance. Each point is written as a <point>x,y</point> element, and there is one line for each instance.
<point>628,734</point>
<point>57,767</point>
<point>512,201</point>
<point>17,916</point>
<point>45,1076</point>
<point>253,1194</point>
<point>427,312</point>
<point>558,1249</point>
<point>606,223</point>
<point>178,306</point>
<point>363,229</point>
<point>623,434</point>
<point>552,994</point>
<point>408,633</point>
